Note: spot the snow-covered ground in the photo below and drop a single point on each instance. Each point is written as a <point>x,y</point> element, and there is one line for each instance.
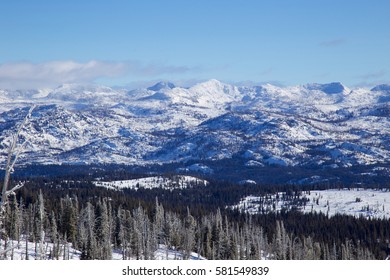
<point>30,251</point>
<point>168,183</point>
<point>372,203</point>
<point>67,252</point>
<point>162,253</point>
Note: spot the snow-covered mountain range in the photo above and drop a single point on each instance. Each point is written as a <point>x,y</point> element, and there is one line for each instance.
<point>315,126</point>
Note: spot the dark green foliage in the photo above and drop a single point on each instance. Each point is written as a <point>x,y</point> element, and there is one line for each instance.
<point>96,220</point>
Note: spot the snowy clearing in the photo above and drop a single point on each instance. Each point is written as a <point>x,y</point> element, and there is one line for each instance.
<point>175,182</point>
<point>370,203</point>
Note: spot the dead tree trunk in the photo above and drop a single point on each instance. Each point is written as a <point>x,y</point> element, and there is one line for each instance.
<point>14,151</point>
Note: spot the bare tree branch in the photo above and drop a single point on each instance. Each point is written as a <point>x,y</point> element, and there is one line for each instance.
<point>13,155</point>
<point>14,152</point>
<point>14,189</point>
<point>8,249</point>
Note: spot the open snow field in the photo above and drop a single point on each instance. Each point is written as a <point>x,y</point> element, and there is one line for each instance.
<point>370,203</point>
<point>176,182</point>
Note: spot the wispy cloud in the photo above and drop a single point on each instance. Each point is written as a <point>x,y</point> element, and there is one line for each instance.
<point>371,79</point>
<point>185,83</point>
<point>333,42</point>
<point>22,75</point>
<point>33,75</point>
<point>244,83</point>
<point>266,72</point>
<point>373,75</point>
<point>368,84</point>
<point>250,83</point>
<point>155,69</point>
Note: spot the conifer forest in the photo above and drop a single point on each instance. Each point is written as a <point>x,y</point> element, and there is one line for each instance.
<point>55,217</point>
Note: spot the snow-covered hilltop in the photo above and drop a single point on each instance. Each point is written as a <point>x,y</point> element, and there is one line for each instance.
<point>324,126</point>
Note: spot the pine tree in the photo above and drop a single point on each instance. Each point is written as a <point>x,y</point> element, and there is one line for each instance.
<point>68,218</point>
<point>103,230</point>
<point>281,241</point>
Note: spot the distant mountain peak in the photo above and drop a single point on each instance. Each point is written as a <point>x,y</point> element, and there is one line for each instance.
<point>213,83</point>
<point>215,90</point>
<point>269,87</point>
<point>382,87</point>
<point>330,88</point>
<point>161,85</point>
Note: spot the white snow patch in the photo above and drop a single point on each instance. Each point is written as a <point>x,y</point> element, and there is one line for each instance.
<point>276,161</point>
<point>247,182</point>
<point>370,203</point>
<point>197,167</point>
<point>253,163</point>
<point>175,182</point>
<point>20,250</point>
<point>67,252</point>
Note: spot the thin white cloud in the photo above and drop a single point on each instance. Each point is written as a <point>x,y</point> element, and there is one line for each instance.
<point>155,69</point>
<point>184,83</point>
<point>371,79</point>
<point>369,84</point>
<point>26,75</point>
<point>333,42</point>
<point>373,75</point>
<point>22,75</point>
<point>266,72</point>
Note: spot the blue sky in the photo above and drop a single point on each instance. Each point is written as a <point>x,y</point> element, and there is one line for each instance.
<point>132,43</point>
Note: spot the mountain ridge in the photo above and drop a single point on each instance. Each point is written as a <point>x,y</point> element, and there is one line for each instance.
<point>315,126</point>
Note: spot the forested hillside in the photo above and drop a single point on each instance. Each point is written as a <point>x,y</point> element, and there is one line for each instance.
<point>135,223</point>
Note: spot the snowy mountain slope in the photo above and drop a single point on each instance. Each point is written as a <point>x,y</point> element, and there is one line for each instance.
<point>322,126</point>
